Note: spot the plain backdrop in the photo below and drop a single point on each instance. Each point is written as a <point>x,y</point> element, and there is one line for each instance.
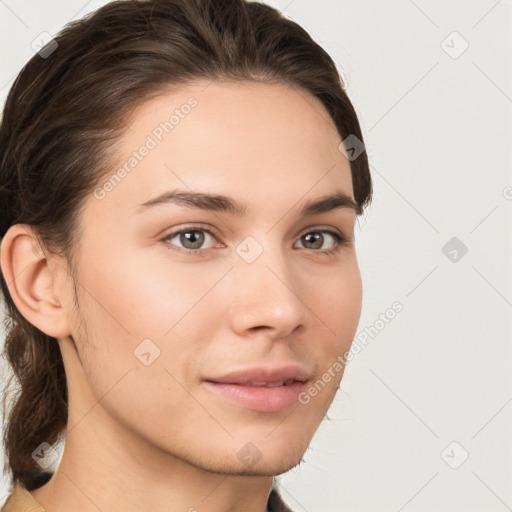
<point>423,418</point>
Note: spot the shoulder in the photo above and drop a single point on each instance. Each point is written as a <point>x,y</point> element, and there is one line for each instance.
<point>20,500</point>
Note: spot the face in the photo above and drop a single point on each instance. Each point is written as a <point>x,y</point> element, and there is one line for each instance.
<point>180,292</point>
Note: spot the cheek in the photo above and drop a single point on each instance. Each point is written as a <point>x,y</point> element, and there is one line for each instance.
<point>349,304</point>
<point>146,295</point>
<point>144,393</point>
<point>137,313</point>
<point>337,303</point>
<point>338,306</point>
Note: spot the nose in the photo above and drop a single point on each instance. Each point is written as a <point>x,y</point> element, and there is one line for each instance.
<point>268,296</point>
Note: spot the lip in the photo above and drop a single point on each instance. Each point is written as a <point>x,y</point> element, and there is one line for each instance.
<point>263,374</point>
<point>234,387</point>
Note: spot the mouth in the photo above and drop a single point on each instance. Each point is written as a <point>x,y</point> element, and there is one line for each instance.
<point>286,382</point>
<point>261,388</point>
<point>262,396</point>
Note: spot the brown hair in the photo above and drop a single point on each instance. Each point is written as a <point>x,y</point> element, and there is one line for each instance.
<point>68,106</point>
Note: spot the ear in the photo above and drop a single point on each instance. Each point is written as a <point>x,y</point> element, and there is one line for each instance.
<point>35,283</point>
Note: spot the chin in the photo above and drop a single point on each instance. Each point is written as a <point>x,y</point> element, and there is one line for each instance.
<point>276,466</point>
<point>271,460</point>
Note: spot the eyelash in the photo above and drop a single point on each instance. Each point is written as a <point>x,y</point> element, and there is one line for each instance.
<point>340,241</point>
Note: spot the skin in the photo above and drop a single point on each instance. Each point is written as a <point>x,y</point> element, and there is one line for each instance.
<point>143,437</point>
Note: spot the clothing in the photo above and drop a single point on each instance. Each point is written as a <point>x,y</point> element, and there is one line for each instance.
<point>20,500</point>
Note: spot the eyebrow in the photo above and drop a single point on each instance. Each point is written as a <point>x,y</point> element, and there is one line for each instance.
<point>222,203</point>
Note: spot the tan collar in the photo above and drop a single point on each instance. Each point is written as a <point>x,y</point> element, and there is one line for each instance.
<point>20,500</point>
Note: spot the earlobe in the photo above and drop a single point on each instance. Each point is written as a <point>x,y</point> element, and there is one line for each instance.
<point>32,282</point>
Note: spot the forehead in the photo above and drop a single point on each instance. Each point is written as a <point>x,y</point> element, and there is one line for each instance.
<point>252,141</point>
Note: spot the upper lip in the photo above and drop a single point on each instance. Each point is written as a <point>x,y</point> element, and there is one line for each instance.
<point>263,374</point>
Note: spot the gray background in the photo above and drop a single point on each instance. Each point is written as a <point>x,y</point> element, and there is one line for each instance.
<point>423,418</point>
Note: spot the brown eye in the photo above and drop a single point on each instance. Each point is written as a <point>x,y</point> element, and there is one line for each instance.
<point>191,239</point>
<point>315,240</point>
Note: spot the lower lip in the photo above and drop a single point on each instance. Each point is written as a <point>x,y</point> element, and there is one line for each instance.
<point>260,398</point>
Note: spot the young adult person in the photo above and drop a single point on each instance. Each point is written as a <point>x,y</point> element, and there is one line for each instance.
<point>179,185</point>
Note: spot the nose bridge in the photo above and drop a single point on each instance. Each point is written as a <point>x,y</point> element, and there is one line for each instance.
<point>266,294</point>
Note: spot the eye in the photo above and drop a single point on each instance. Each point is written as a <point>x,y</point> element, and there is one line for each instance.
<point>317,239</point>
<point>191,238</point>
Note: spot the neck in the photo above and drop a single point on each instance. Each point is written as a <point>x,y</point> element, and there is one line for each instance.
<point>99,472</point>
